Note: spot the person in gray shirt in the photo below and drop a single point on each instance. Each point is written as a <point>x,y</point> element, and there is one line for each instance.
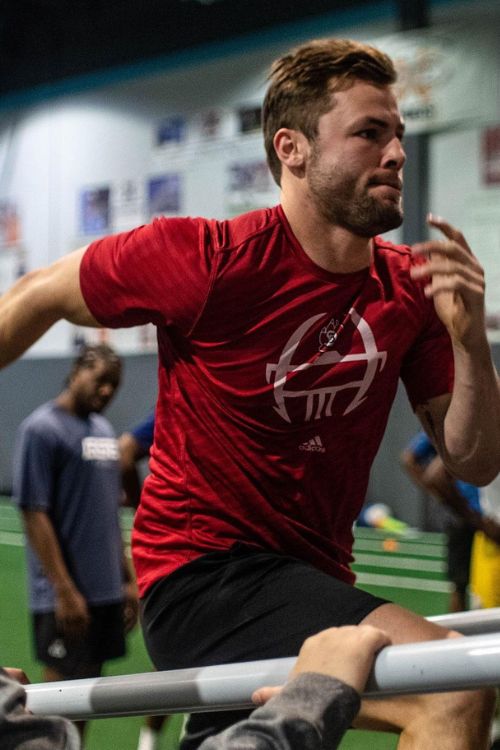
<point>67,485</point>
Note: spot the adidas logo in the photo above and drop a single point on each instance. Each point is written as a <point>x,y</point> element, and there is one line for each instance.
<point>314,444</point>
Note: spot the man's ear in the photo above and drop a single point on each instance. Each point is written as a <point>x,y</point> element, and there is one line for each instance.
<point>291,147</point>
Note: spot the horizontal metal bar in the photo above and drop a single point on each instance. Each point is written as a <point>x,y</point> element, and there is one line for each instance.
<point>431,666</point>
<point>473,622</point>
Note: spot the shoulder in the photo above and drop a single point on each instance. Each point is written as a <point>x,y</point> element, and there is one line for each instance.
<point>391,254</point>
<point>43,418</point>
<point>245,228</point>
<point>100,425</point>
<point>392,265</point>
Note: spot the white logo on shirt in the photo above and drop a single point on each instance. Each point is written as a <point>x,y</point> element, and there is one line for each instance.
<point>314,445</point>
<point>319,401</point>
<point>57,649</point>
<point>99,449</point>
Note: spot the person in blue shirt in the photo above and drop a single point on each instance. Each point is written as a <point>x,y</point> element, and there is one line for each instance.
<point>422,463</point>
<point>134,446</point>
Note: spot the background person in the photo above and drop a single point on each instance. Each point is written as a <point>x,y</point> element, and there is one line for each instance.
<point>282,335</point>
<point>485,566</point>
<point>427,470</point>
<point>134,446</point>
<point>67,485</point>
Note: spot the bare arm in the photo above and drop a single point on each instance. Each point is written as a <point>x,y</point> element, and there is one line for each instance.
<point>37,301</point>
<point>441,485</point>
<point>413,468</point>
<point>71,608</point>
<point>465,426</point>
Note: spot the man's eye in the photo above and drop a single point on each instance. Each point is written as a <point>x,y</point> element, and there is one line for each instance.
<point>368,133</point>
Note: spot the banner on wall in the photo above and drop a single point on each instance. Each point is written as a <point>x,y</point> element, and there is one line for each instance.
<point>12,251</point>
<point>94,210</point>
<point>164,194</point>
<point>249,186</point>
<point>490,155</point>
<point>171,131</point>
<point>443,79</point>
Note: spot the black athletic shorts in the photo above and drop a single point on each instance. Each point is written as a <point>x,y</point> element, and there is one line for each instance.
<point>240,605</point>
<point>71,656</point>
<point>460,539</point>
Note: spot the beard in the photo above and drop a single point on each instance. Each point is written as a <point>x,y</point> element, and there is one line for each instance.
<point>340,200</point>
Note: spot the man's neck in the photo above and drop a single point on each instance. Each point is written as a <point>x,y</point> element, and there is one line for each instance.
<point>66,401</point>
<point>330,247</point>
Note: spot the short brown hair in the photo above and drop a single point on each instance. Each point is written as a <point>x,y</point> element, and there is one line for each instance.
<point>301,86</point>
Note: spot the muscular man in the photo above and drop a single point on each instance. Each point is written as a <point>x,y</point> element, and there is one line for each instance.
<point>67,484</point>
<point>282,335</point>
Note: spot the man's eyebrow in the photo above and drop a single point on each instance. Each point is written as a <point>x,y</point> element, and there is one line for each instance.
<point>369,120</point>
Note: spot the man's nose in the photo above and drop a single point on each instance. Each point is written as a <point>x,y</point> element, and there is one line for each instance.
<point>106,390</point>
<point>394,154</point>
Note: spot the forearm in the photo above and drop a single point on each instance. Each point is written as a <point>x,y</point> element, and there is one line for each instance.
<point>37,301</point>
<point>471,431</point>
<point>22,322</point>
<point>44,541</point>
<point>131,486</point>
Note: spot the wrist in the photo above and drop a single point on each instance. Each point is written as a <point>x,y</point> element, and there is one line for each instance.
<point>64,588</point>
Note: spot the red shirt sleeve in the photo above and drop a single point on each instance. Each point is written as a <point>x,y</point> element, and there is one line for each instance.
<point>158,273</point>
<point>428,369</point>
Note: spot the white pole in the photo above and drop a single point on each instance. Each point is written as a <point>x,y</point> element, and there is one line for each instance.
<point>431,666</point>
<point>473,622</point>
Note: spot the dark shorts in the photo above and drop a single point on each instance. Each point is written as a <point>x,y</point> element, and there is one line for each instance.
<point>104,640</point>
<point>240,605</point>
<point>459,555</point>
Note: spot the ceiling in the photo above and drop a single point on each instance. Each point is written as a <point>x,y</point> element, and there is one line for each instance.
<point>43,41</point>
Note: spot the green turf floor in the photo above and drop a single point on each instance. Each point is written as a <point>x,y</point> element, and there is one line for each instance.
<point>379,568</point>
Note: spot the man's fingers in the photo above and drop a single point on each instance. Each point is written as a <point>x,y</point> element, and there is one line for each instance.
<point>449,249</point>
<point>445,267</point>
<point>18,675</point>
<point>262,695</point>
<point>448,230</point>
<point>374,638</point>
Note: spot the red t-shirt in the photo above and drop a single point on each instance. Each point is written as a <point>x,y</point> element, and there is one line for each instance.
<point>266,425</point>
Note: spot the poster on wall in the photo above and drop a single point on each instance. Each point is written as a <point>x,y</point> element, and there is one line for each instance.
<point>441,75</point>
<point>249,186</point>
<point>10,224</point>
<point>490,155</point>
<point>137,340</point>
<point>164,194</point>
<point>13,262</point>
<point>171,131</point>
<point>127,204</point>
<point>210,124</point>
<point>95,210</point>
<point>249,118</point>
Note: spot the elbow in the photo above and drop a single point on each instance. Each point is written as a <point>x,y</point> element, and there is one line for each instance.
<point>480,473</point>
